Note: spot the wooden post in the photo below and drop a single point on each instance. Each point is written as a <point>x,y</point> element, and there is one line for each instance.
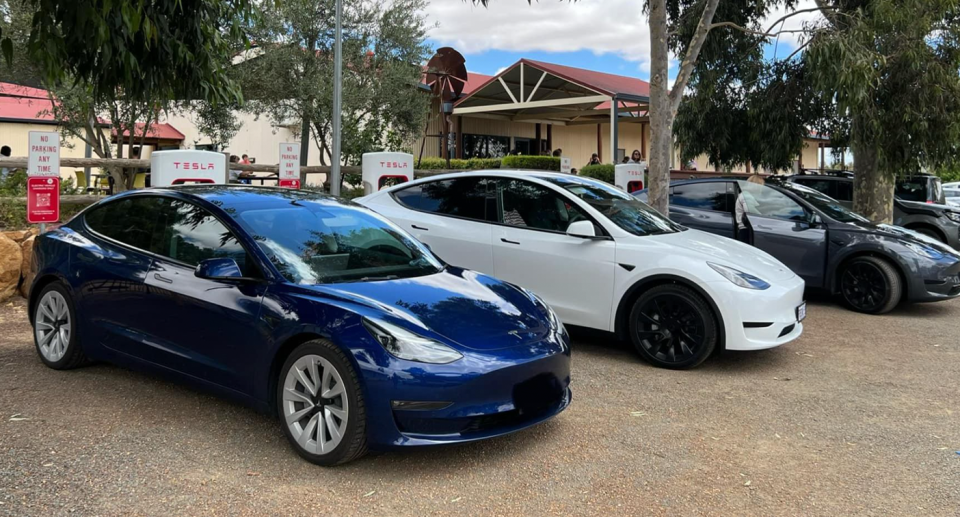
<point>536,142</point>
<point>643,140</point>
<point>458,141</point>
<point>550,137</point>
<point>600,143</point>
<point>823,157</point>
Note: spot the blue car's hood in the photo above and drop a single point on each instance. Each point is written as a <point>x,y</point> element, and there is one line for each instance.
<point>468,308</point>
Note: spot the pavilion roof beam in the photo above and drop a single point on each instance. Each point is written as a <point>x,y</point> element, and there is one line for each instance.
<point>537,87</point>
<point>532,104</point>
<point>507,89</point>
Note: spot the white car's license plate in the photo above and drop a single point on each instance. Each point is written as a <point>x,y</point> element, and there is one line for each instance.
<point>801,312</point>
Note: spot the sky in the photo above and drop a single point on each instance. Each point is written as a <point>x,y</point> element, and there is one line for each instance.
<point>604,35</point>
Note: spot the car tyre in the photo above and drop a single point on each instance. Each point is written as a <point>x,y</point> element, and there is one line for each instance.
<point>673,327</point>
<point>55,329</point>
<point>870,285</point>
<point>320,404</point>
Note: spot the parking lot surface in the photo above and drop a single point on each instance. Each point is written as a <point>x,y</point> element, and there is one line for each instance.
<point>860,416</point>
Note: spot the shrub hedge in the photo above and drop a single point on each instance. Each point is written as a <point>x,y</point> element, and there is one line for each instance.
<point>540,163</point>
<point>603,172</point>
<point>13,210</point>
<point>432,163</point>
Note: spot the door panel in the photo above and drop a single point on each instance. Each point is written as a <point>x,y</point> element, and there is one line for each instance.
<point>451,216</point>
<point>719,223</point>
<point>799,247</point>
<point>208,329</point>
<point>573,275</point>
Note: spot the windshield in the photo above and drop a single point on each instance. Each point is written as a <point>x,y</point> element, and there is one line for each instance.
<point>829,206</point>
<point>621,208</point>
<point>310,243</point>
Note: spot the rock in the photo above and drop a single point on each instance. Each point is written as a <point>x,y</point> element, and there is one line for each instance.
<point>17,235</point>
<point>26,265</point>
<point>10,259</point>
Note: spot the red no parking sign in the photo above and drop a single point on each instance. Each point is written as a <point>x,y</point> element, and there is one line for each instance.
<point>43,199</point>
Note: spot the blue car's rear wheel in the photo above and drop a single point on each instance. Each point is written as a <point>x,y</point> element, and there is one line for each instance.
<point>55,329</point>
<point>320,404</point>
<point>673,327</point>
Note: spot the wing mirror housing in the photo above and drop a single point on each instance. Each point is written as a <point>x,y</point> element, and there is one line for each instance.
<point>218,269</point>
<point>582,229</point>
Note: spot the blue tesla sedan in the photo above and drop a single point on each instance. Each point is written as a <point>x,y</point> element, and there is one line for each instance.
<point>315,309</point>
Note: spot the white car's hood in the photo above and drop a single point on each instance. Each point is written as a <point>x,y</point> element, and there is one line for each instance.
<point>728,252</point>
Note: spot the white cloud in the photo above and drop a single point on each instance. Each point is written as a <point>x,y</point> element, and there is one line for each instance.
<point>607,26</point>
<point>600,26</point>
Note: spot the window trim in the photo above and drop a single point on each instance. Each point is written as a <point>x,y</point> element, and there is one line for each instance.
<point>499,222</point>
<point>558,191</point>
<point>732,209</point>
<point>157,255</point>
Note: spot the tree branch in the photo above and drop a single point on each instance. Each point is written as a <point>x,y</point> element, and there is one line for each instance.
<point>758,33</point>
<point>693,52</point>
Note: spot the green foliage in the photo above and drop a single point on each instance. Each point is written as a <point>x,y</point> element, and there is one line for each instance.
<point>602,172</point>
<point>430,163</point>
<point>15,185</point>
<point>288,77</point>
<point>13,211</point>
<point>169,48</point>
<point>949,173</point>
<point>542,163</point>
<point>217,121</point>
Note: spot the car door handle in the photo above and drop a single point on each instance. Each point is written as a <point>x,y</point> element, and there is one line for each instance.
<point>508,242</point>
<point>415,227</point>
<point>761,227</point>
<point>162,278</point>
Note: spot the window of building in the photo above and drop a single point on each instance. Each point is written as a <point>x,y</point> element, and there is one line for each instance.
<point>485,146</point>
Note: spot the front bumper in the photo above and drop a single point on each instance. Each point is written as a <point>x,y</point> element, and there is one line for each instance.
<point>757,320</point>
<point>489,394</point>
<point>936,285</point>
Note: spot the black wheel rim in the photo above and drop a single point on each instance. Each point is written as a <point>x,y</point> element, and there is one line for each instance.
<point>670,328</point>
<point>864,286</point>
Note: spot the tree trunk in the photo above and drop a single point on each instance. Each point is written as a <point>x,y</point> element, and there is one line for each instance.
<point>661,118</point>
<point>872,188</point>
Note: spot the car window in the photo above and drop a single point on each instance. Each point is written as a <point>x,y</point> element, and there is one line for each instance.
<point>764,201</point>
<point>844,191</point>
<point>471,198</point>
<point>528,205</point>
<point>130,220</point>
<point>311,243</point>
<point>913,189</point>
<point>823,186</point>
<point>190,234</point>
<point>704,196</point>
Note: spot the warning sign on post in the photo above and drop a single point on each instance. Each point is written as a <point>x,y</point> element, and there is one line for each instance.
<point>43,199</point>
<point>290,165</point>
<point>44,156</point>
<point>566,165</point>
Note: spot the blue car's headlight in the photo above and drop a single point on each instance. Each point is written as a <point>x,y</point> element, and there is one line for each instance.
<point>404,344</point>
<point>745,280</point>
<point>924,251</point>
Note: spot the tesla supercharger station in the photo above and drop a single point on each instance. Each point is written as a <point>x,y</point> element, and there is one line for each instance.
<point>187,166</point>
<point>628,176</point>
<point>385,169</point>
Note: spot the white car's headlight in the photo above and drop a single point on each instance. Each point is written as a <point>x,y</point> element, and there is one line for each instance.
<point>745,280</point>
<point>404,344</point>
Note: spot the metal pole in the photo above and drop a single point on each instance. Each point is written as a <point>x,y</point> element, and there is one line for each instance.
<point>337,94</point>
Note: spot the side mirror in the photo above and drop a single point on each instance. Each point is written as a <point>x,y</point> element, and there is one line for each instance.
<point>582,229</point>
<point>218,269</point>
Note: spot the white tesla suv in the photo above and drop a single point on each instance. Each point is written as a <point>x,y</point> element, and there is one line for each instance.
<point>604,260</point>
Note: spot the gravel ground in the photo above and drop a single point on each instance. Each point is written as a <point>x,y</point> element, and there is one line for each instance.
<point>860,416</point>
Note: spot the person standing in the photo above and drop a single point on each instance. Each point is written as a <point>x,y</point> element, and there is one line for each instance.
<point>594,160</point>
<point>4,154</point>
<point>746,201</point>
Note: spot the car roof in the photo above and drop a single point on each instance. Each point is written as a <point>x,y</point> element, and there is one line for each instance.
<point>246,197</point>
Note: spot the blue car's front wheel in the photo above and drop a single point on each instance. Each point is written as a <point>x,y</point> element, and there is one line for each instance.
<point>320,404</point>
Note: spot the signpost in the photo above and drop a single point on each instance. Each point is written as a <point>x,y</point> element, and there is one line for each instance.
<point>289,174</point>
<point>43,178</point>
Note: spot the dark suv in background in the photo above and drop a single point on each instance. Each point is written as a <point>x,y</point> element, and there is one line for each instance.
<point>918,204</point>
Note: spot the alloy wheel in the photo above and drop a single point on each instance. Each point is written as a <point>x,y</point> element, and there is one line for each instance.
<point>864,286</point>
<point>315,406</point>
<point>53,326</point>
<point>670,328</point>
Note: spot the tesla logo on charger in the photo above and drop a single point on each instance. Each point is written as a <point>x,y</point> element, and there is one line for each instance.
<point>193,166</point>
<point>394,165</point>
